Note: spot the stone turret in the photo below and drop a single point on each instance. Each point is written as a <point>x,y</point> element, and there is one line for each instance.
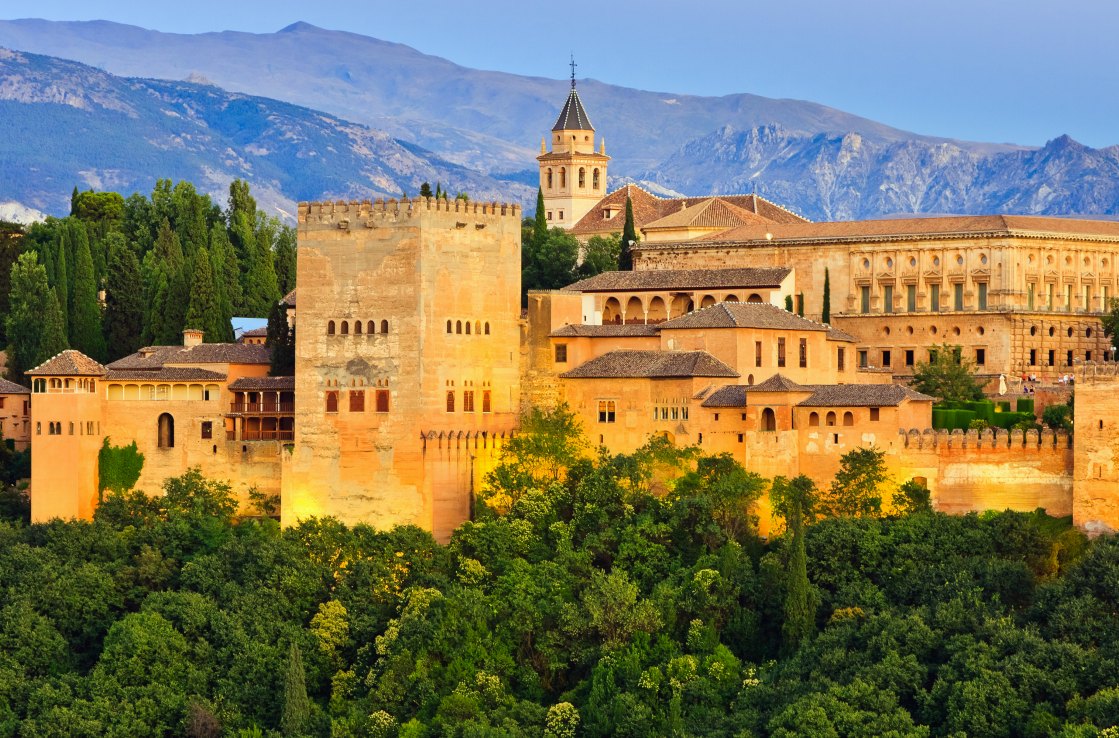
<point>572,174</point>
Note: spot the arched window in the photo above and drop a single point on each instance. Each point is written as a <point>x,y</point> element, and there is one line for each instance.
<point>731,298</point>
<point>345,328</point>
<point>814,419</point>
<point>754,299</point>
<point>449,327</point>
<point>166,427</point>
<point>330,328</point>
<point>71,427</point>
<point>769,420</point>
<point>563,177</point>
<point>612,311</point>
<point>549,172</point>
<point>371,327</point>
<point>487,328</point>
<point>468,327</point>
<point>594,179</point>
<point>332,401</point>
<point>750,379</point>
<point>39,429</point>
<point>357,327</point>
<point>458,326</point>
<point>477,327</point>
<point>582,177</point>
<point>830,419</point>
<point>848,418</point>
<point>384,326</point>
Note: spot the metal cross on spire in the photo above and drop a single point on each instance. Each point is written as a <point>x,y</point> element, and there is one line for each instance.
<point>573,65</point>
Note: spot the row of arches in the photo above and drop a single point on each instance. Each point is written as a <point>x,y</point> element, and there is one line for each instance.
<point>138,391</point>
<point>54,428</point>
<point>342,328</point>
<point>657,310</point>
<point>85,385</point>
<point>596,178</point>
<point>479,327</point>
<point>830,419</point>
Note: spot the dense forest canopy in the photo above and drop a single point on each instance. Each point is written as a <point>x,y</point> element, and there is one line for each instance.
<point>592,595</point>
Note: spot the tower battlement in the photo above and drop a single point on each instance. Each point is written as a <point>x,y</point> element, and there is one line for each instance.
<point>1093,371</point>
<point>371,213</point>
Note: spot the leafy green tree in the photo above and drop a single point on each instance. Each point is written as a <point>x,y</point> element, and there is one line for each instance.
<point>629,239</point>
<point>600,255</point>
<point>911,498</point>
<point>227,276</point>
<point>297,707</point>
<point>169,288</point>
<point>425,190</point>
<point>85,308</point>
<point>825,314</point>
<point>11,234</point>
<point>731,490</point>
<point>947,376</point>
<point>33,322</point>
<point>123,323</point>
<point>204,312</point>
<point>551,263</point>
<point>858,487</point>
<point>259,287</point>
<point>1110,321</point>
<point>1058,417</point>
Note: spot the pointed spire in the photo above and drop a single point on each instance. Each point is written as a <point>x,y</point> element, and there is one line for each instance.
<point>573,117</point>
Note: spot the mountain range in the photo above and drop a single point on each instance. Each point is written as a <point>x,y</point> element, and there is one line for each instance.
<point>213,106</point>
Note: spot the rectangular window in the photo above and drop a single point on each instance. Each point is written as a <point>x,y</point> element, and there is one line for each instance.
<point>886,358</point>
<point>1087,356</point>
<point>1068,359</point>
<point>357,401</point>
<point>549,215</point>
<point>862,358</point>
<point>89,423</point>
<point>1030,290</point>
<point>874,414</point>
<point>980,357</point>
<point>934,297</point>
<point>607,411</point>
<point>888,299</point>
<point>781,351</point>
<point>561,353</point>
<point>486,407</point>
<point>1068,298</point>
<point>757,353</point>
<point>1052,357</point>
<point>740,438</point>
<point>1105,299</point>
<point>382,400</point>
<point>450,401</point>
<point>864,299</point>
<point>1049,289</point>
<point>932,356</point>
<point>909,357</point>
<point>207,429</point>
<point>561,215</point>
<point>911,298</point>
<point>468,401</point>
<point>2,402</point>
<point>982,295</point>
<point>332,401</point>
<point>1033,357</point>
<point>957,297</point>
<point>803,353</point>
<point>840,358</point>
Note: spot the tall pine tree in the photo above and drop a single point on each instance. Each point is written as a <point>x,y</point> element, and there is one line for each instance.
<point>540,223</point>
<point>281,342</point>
<point>285,256</point>
<point>629,239</point>
<point>205,308</point>
<point>85,309</point>
<point>34,319</point>
<point>227,272</point>
<point>62,271</point>
<point>297,706</point>
<point>171,289</point>
<point>124,300</point>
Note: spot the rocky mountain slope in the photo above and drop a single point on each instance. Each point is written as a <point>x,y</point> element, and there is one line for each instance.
<point>69,124</point>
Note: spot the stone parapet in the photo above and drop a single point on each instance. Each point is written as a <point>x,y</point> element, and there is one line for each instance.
<point>367,213</point>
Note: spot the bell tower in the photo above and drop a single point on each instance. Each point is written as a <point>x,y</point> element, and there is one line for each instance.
<point>572,173</point>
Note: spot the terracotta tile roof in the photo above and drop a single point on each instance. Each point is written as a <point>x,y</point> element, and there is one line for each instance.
<point>625,330</point>
<point>902,229</point>
<point>651,365</point>
<point>288,299</point>
<point>834,334</point>
<point>573,117</point>
<point>861,395</point>
<point>743,315</point>
<point>648,208</point>
<point>263,383</point>
<point>779,383</point>
<point>165,374</point>
<point>11,388</point>
<point>683,279</point>
<point>731,395</point>
<point>70,363</point>
<point>154,357</point>
<point>713,212</point>
<point>261,331</point>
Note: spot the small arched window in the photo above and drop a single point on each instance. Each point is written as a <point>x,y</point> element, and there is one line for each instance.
<point>814,419</point>
<point>594,179</point>
<point>458,326</point>
<point>345,328</point>
<point>384,326</point>
<point>449,327</point>
<point>357,327</point>
<point>487,328</point>
<point>330,328</point>
<point>166,430</point>
<point>830,419</point>
<point>582,177</point>
<point>477,327</point>
<point>769,420</point>
<point>468,327</point>
<point>372,327</point>
<point>549,178</point>
<point>563,177</point>
<point>332,401</point>
<point>848,418</point>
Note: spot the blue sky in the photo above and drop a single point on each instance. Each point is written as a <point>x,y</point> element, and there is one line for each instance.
<point>1018,71</point>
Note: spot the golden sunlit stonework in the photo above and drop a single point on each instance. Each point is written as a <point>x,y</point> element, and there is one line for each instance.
<point>414,359</point>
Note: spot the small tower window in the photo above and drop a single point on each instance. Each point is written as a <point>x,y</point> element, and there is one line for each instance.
<point>449,327</point>
<point>549,178</point>
<point>582,178</point>
<point>332,401</point>
<point>594,180</point>
<point>458,326</point>
<point>487,326</point>
<point>563,180</point>
<point>468,327</point>
<point>371,327</point>
<point>166,429</point>
<point>357,327</point>
<point>382,401</point>
<point>384,326</point>
<point>450,401</point>
<point>345,328</point>
<point>330,328</point>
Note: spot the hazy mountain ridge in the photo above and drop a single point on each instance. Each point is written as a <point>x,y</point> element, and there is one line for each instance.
<point>72,124</point>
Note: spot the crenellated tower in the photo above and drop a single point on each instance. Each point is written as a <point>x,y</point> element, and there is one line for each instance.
<point>572,173</point>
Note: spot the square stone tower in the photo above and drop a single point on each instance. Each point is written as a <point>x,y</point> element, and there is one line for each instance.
<point>407,362</point>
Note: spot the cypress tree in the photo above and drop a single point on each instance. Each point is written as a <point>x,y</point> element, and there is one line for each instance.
<point>794,499</point>
<point>156,331</point>
<point>172,304</point>
<point>85,309</point>
<point>826,315</point>
<point>800,304</point>
<point>629,239</point>
<point>281,342</point>
<point>285,255</point>
<point>53,339</point>
<point>297,707</point>
<point>27,310</point>
<point>204,312</point>
<point>124,301</point>
<point>62,273</point>
<point>74,200</point>
<point>540,224</point>
<point>258,272</point>
<point>227,272</point>
<point>788,303</point>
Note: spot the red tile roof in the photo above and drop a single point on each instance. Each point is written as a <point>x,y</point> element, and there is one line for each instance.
<point>683,279</point>
<point>69,363</point>
<point>11,388</point>
<point>651,365</point>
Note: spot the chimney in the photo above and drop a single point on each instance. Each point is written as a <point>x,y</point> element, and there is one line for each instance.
<point>192,337</point>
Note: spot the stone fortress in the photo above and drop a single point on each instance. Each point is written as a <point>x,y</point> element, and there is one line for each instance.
<point>414,359</point>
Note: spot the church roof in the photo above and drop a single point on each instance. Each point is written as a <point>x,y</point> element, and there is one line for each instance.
<point>573,117</point>
<point>69,363</point>
<point>651,365</point>
<point>743,315</point>
<point>683,279</point>
<point>713,212</point>
<point>11,388</point>
<point>648,208</point>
